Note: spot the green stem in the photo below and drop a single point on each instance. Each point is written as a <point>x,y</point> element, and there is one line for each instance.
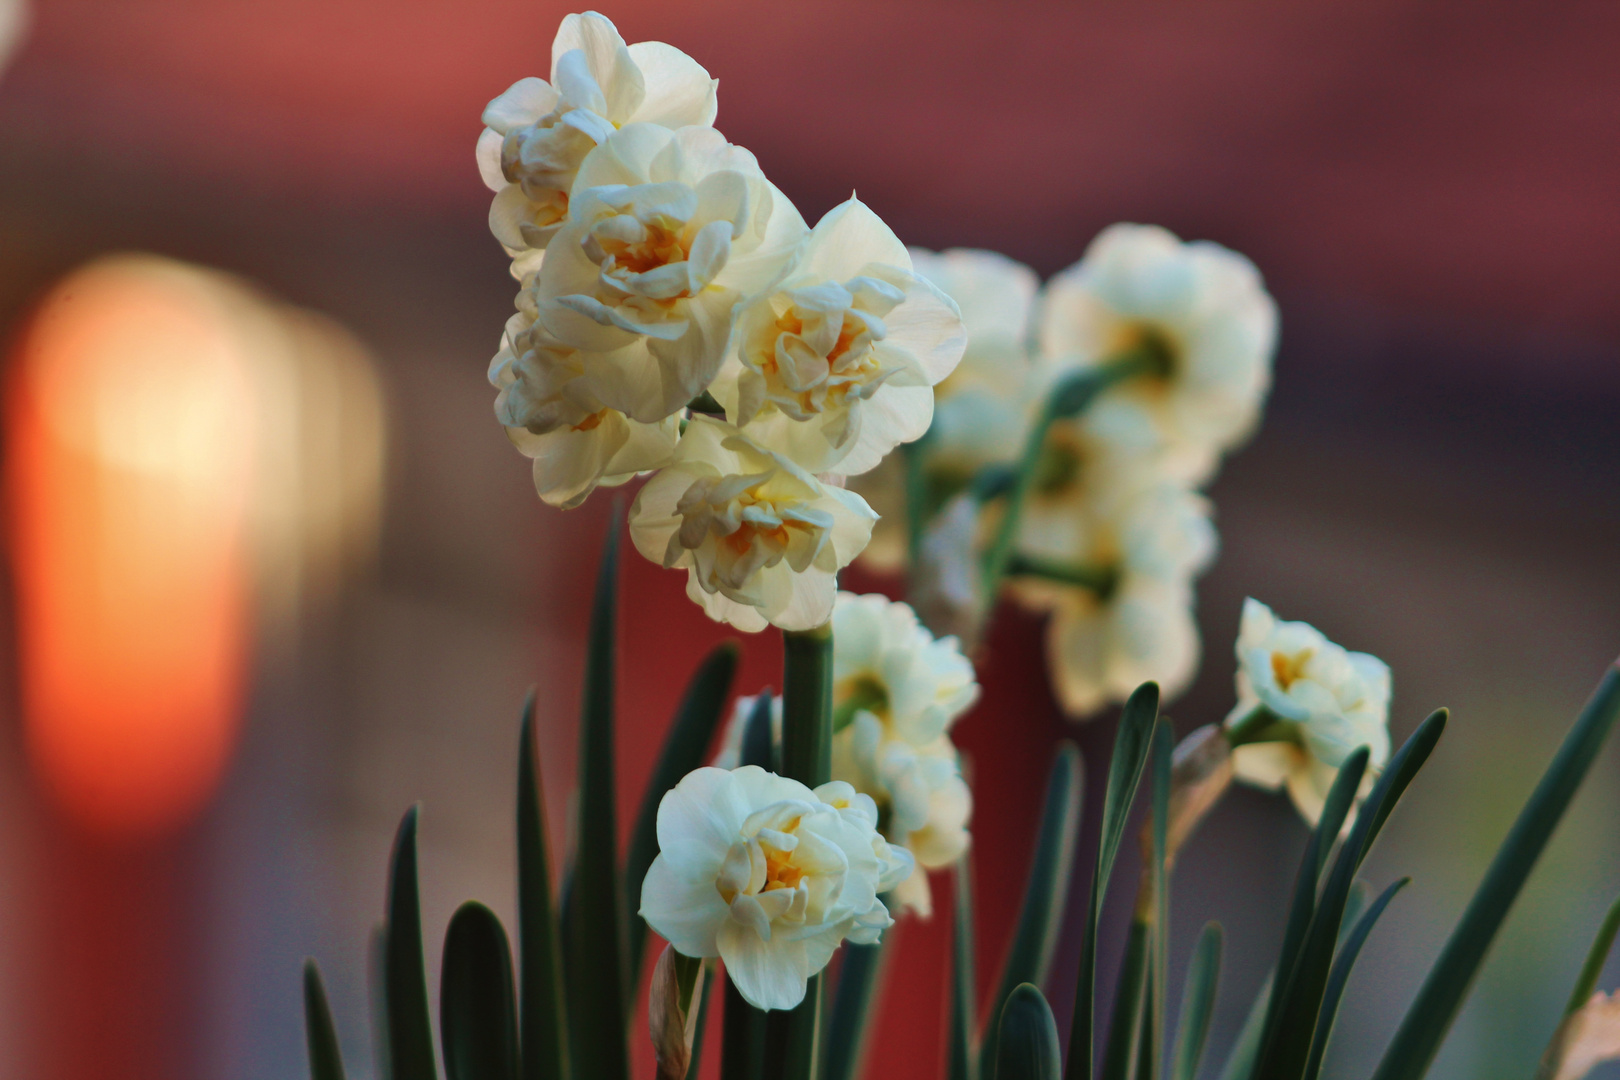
<point>1067,399</point>
<point>912,457</point>
<point>705,403</point>
<point>865,695</point>
<point>1259,725</point>
<point>1098,579</point>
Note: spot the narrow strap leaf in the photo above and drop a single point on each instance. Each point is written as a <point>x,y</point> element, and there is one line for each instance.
<point>1340,976</point>
<point>477,1007</point>
<point>410,1025</point>
<point>1027,1038</point>
<point>1197,1004</point>
<point>849,1019</point>
<point>597,1015</point>
<point>1586,982</point>
<point>1154,1031</point>
<point>964,1008</point>
<point>742,1051</point>
<point>1431,1014</point>
<point>377,984</point>
<point>792,1036</point>
<point>325,1062</point>
<point>1240,1062</point>
<point>543,1003</point>
<point>759,741</point>
<point>685,748</point>
<point>1131,745</point>
<point>1287,1048</point>
<point>1047,889</point>
<point>1125,1028</point>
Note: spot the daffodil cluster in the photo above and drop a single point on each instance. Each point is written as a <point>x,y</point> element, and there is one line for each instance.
<point>676,315</point>
<point>1104,400</point>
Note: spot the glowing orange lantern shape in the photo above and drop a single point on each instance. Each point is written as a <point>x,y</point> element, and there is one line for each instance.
<point>128,455</point>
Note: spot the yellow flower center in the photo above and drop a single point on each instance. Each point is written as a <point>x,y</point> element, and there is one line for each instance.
<point>1287,669</point>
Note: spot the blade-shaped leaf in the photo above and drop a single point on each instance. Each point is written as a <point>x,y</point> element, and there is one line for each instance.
<point>1287,1046</point>
<point>964,1009</point>
<point>1125,1028</point>
<point>1586,982</point>
<point>1131,745</point>
<point>1430,1016</point>
<point>597,1014</point>
<point>1197,1004</point>
<point>685,748</point>
<point>543,1003</point>
<point>742,1053</point>
<point>1163,745</point>
<point>1047,889</point>
<point>1340,976</point>
<point>477,1007</point>
<point>410,1027</point>
<point>849,1019</point>
<point>325,1062</point>
<point>1027,1038</point>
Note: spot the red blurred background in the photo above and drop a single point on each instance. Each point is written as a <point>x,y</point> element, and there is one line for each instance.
<point>1430,190</point>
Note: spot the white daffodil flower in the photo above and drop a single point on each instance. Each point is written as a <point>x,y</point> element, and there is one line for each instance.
<point>666,232</point>
<point>1138,551</point>
<point>835,364</point>
<point>1200,307</point>
<point>1329,701</point>
<point>537,134</point>
<point>897,691</point>
<point>551,415</point>
<point>769,876</point>
<point>761,538</point>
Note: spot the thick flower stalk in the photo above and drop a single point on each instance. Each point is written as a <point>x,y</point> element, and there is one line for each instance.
<point>835,363</point>
<point>1304,705</point>
<point>537,134</point>
<point>761,538</point>
<point>769,876</point>
<point>1197,320</point>
<point>666,232</point>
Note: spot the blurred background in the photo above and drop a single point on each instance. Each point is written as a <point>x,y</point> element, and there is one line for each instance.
<point>247,298</point>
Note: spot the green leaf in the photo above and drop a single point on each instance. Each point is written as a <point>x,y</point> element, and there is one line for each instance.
<point>964,1008</point>
<point>1340,976</point>
<point>1586,982</point>
<point>685,748</point>
<point>759,740</point>
<point>1197,1004</point>
<point>543,1003</point>
<point>1027,1038</point>
<point>791,1046</point>
<point>1287,1047</point>
<point>1240,1062</point>
<point>477,1010</point>
<point>742,1051</point>
<point>325,1062</point>
<point>1125,1029</point>
<point>1431,1014</point>
<point>1163,745</point>
<point>807,705</point>
<point>1131,745</point>
<point>849,1019</point>
<point>410,1025</point>
<point>597,1015</point>
<point>1041,915</point>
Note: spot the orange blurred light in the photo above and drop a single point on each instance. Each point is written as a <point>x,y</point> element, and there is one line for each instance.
<point>129,432</point>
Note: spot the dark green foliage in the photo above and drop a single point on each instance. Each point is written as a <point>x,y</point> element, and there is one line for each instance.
<point>477,1010</point>
<point>543,1003</point>
<point>325,1062</point>
<point>410,1025</point>
<point>1027,1038</point>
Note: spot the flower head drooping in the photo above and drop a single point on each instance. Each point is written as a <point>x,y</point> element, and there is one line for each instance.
<point>666,232</point>
<point>1127,616</point>
<point>762,540</point>
<point>537,134</point>
<point>1320,703</point>
<point>551,416</point>
<point>1199,309</point>
<point>836,362</point>
<point>768,875</point>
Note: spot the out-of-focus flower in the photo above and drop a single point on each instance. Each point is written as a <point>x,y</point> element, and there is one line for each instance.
<point>836,363</point>
<point>948,582</point>
<point>1117,576</point>
<point>761,538</point>
<point>1199,309</point>
<point>666,232</point>
<point>896,692</point>
<point>769,876</point>
<point>1587,1038</point>
<point>537,134</point>
<point>1323,701</point>
<point>551,415</point>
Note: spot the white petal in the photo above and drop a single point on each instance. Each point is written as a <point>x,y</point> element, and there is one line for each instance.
<point>489,159</point>
<point>686,913</point>
<point>524,102</point>
<point>769,975</point>
<point>679,91</point>
<point>698,821</point>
